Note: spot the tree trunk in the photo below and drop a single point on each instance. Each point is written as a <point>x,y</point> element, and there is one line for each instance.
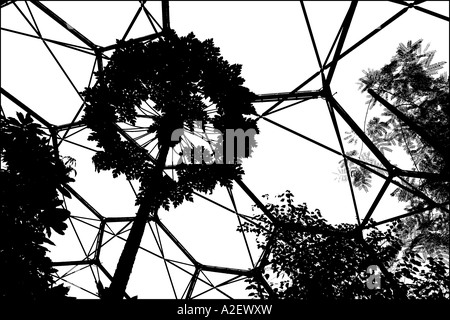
<point>125,265</point>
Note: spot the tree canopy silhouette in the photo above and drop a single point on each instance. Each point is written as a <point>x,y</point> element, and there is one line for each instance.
<point>179,79</point>
<point>408,83</point>
<point>322,261</point>
<point>31,175</point>
<point>415,116</point>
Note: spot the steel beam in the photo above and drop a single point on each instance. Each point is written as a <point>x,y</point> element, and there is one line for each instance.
<point>69,126</point>
<point>73,263</point>
<point>377,200</point>
<point>405,215</point>
<point>360,133</point>
<point>415,127</point>
<point>238,272</point>
<point>176,242</point>
<point>65,25</point>
<point>191,286</point>
<point>84,202</point>
<point>165,15</point>
<point>344,30</point>
<point>140,39</point>
<point>23,106</point>
<point>269,97</point>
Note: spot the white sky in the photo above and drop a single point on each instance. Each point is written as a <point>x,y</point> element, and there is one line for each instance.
<point>271,41</point>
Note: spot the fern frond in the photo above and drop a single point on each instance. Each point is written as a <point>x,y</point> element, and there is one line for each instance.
<point>351,137</point>
<point>383,145</point>
<point>341,175</point>
<point>430,56</point>
<point>432,69</point>
<point>362,179</point>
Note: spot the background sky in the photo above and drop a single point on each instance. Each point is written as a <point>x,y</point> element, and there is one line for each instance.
<point>271,41</point>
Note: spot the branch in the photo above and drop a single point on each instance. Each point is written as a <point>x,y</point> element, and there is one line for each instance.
<point>413,126</point>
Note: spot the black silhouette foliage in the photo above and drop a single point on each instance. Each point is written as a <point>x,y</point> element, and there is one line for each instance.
<point>31,176</point>
<point>411,84</point>
<point>181,77</point>
<point>308,265</point>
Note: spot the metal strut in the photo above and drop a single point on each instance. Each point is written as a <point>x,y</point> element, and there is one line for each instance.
<point>268,97</point>
<point>165,15</point>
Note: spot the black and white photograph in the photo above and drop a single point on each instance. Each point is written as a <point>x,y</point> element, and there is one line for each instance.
<point>221,159</point>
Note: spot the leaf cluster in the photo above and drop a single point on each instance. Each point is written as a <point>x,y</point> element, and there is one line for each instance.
<point>312,265</point>
<point>409,82</point>
<point>31,176</point>
<point>181,77</point>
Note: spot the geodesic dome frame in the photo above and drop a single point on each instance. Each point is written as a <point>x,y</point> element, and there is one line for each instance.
<point>107,229</point>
